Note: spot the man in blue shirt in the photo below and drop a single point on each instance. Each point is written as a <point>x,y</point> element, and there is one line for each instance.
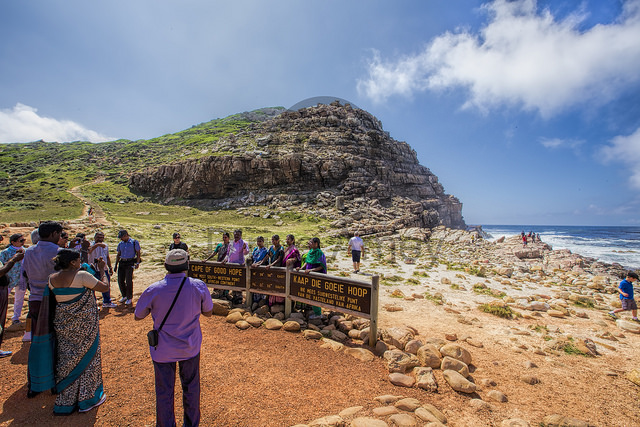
<point>626,297</point>
<point>127,260</point>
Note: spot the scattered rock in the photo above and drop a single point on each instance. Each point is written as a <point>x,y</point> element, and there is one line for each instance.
<point>456,352</point>
<point>479,404</point>
<point>455,365</point>
<point>403,420</point>
<point>328,421</point>
<point>425,379</point>
<point>496,395</point>
<point>387,399</point>
<point>458,382</point>
<point>408,404</point>
<point>348,412</point>
<point>403,380</point>
<point>530,379</point>
<point>273,324</point>
<point>627,326</point>
<point>385,411</point>
<point>435,412</point>
<point>514,422</point>
<point>368,422</point>
<point>429,356</point>
<point>360,353</point>
<point>311,335</point>
<point>291,326</point>
<point>557,420</point>
<point>234,317</point>
<point>242,325</point>
<point>634,376</point>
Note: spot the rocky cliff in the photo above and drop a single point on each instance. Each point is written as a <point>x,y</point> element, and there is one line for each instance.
<point>333,159</point>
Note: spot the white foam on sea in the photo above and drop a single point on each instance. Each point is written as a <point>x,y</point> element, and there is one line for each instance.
<point>610,250</point>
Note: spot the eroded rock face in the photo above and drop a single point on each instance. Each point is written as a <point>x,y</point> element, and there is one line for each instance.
<point>331,157</point>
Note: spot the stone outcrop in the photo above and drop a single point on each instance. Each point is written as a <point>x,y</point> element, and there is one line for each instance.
<point>334,158</point>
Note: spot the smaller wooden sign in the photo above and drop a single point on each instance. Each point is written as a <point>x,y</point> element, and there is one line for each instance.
<point>272,281</point>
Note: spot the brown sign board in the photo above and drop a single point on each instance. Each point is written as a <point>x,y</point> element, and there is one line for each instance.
<point>331,292</point>
<point>218,275</point>
<point>272,281</point>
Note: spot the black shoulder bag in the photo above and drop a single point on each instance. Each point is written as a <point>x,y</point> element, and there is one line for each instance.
<point>152,335</point>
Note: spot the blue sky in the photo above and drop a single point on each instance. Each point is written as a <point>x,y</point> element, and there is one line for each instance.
<point>528,112</point>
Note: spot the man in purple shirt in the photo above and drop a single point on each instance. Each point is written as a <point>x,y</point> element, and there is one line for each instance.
<point>38,265</point>
<point>179,339</point>
<point>237,251</point>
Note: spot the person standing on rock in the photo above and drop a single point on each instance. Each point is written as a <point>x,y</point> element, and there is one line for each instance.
<point>626,297</point>
<point>128,259</point>
<point>356,249</point>
<point>184,299</point>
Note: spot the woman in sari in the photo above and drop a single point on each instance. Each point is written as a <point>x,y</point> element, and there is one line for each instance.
<point>291,253</point>
<point>78,368</point>
<point>314,261</point>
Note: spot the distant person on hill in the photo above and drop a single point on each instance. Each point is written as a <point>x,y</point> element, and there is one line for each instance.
<point>625,290</point>
<point>524,240</point>
<point>13,276</point>
<point>127,259</point>
<point>181,300</point>
<point>178,244</point>
<point>235,255</point>
<point>356,249</point>
<point>7,266</point>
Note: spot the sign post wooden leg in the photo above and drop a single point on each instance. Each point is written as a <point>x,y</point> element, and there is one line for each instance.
<point>373,327</point>
<point>287,289</point>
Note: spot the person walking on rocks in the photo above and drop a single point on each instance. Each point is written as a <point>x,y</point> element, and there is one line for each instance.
<point>626,297</point>
<point>13,276</point>
<point>127,259</point>
<point>356,249</point>
<point>181,300</point>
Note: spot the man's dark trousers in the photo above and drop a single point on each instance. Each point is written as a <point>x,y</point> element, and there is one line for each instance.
<point>165,383</point>
<point>125,278</point>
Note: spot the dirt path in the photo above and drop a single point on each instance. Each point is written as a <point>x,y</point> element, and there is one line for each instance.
<point>98,216</point>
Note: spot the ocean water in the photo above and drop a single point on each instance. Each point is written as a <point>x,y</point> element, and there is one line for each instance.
<point>607,244</point>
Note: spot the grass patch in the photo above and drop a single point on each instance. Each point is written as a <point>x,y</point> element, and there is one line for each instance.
<point>571,349</point>
<point>420,273</point>
<point>455,286</point>
<point>437,299</point>
<point>483,290</point>
<point>504,312</point>
<point>584,304</point>
<point>413,281</point>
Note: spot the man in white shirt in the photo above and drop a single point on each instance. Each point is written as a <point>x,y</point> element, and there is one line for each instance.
<point>99,249</point>
<point>356,249</point>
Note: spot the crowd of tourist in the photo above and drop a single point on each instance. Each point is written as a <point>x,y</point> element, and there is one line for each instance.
<point>62,323</point>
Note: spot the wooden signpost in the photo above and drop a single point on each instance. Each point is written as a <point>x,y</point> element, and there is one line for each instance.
<point>354,297</point>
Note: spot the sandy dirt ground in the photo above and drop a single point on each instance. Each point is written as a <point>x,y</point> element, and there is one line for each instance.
<point>275,378</point>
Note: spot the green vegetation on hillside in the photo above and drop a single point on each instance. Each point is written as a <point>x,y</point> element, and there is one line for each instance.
<point>35,177</point>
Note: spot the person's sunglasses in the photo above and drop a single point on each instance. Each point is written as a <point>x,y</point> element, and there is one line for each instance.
<point>22,240</point>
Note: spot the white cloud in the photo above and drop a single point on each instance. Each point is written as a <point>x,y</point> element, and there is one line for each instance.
<point>625,150</point>
<point>523,57</point>
<point>23,124</point>
<point>557,143</point>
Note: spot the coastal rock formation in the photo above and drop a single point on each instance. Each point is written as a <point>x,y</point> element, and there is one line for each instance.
<point>334,159</point>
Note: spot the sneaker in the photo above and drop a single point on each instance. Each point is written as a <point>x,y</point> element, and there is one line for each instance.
<point>26,337</point>
<point>635,319</point>
<point>121,300</point>
<point>109,305</point>
<point>128,302</point>
<point>100,402</point>
<point>612,315</point>
<point>4,353</point>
